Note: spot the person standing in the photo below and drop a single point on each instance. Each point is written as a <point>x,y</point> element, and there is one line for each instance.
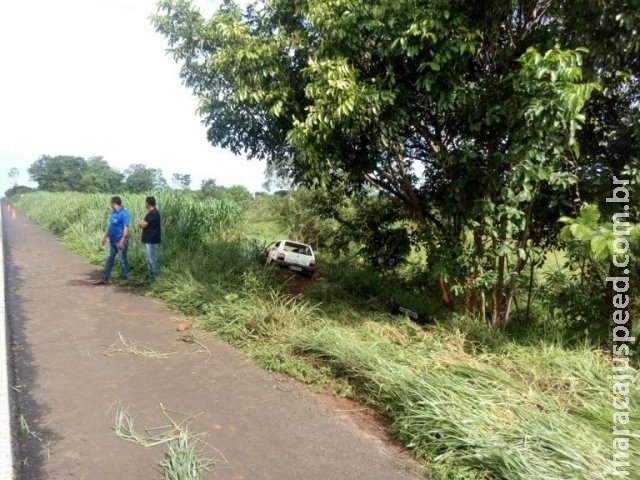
<point>151,236</point>
<point>117,232</point>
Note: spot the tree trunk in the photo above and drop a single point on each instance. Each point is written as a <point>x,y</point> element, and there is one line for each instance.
<point>497,313</point>
<point>502,295</point>
<point>501,308</point>
<point>530,290</point>
<point>444,292</point>
<point>470,297</point>
<point>484,307</point>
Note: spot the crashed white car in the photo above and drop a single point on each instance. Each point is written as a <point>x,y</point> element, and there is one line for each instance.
<point>295,256</point>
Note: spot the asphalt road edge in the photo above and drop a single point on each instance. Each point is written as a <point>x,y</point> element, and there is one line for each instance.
<point>6,449</point>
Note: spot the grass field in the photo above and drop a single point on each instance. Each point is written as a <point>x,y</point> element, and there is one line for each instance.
<point>470,402</point>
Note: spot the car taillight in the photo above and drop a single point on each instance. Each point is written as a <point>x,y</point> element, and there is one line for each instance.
<point>281,256</point>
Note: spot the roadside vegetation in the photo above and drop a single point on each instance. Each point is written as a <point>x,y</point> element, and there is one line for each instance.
<point>470,400</point>
<point>474,163</point>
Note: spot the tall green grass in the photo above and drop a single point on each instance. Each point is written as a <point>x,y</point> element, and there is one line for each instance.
<point>193,224</point>
<point>490,416</point>
<point>468,400</point>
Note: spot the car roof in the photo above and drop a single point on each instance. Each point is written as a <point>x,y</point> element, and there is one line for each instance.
<point>294,242</point>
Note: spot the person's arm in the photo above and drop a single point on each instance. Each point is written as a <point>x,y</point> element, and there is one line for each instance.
<point>125,232</point>
<point>125,229</point>
<point>146,221</point>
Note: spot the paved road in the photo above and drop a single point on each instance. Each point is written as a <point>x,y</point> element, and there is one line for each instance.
<point>6,451</point>
<point>65,337</point>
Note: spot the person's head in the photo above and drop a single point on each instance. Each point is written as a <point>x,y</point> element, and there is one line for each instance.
<point>150,202</point>
<point>116,203</point>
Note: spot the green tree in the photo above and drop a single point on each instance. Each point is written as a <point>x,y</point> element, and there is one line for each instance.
<point>99,176</point>
<point>591,243</point>
<point>66,173</point>
<point>141,179</point>
<point>464,114</point>
<point>181,181</point>
<point>18,190</point>
<point>235,193</point>
<point>274,179</point>
<point>14,175</point>
<point>208,187</point>
<point>610,139</point>
<point>58,174</point>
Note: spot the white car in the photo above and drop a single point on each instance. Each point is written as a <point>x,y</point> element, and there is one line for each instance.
<point>295,256</point>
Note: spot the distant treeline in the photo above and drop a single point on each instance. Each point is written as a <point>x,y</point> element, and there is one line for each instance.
<point>63,173</point>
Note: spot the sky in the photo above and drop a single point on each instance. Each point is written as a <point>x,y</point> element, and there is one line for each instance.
<point>91,78</point>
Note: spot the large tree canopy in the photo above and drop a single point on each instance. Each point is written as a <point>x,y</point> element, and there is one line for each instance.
<point>141,179</point>
<point>99,176</point>
<point>57,174</point>
<point>463,113</point>
<point>67,173</point>
<point>181,181</point>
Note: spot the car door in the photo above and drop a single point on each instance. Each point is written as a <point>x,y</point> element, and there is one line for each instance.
<point>272,252</point>
<point>305,256</point>
<point>291,255</point>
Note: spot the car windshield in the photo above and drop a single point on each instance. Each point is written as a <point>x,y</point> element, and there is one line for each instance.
<point>297,248</point>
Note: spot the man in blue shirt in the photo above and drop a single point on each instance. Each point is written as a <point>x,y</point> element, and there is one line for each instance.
<point>151,236</point>
<point>117,233</point>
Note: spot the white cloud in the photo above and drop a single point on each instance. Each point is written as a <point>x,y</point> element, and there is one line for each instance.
<point>91,77</point>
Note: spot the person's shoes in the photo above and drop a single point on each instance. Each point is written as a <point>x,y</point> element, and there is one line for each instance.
<point>102,281</point>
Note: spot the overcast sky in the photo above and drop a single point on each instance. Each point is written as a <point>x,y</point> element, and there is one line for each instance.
<point>91,78</point>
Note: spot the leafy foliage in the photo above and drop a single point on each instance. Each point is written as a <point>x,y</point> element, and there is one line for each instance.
<point>585,298</point>
<point>14,175</point>
<point>18,190</point>
<point>299,215</point>
<point>94,175</point>
<point>181,181</point>
<point>235,193</point>
<point>140,179</point>
<point>464,114</point>
<point>376,228</point>
<point>100,177</point>
<point>65,173</point>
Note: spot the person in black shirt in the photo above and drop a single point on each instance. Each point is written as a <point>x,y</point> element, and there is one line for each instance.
<point>151,236</point>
